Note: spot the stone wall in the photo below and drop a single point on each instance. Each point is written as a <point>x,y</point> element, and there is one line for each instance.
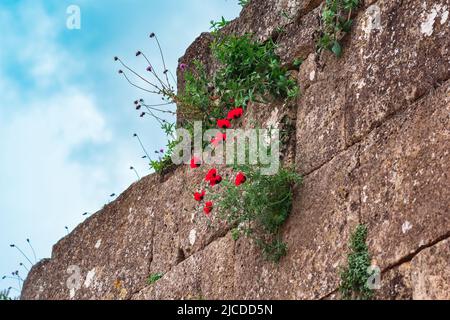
<point>372,141</point>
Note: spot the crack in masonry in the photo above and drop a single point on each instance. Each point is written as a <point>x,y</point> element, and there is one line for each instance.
<point>412,255</point>
<point>222,235</point>
<point>329,294</point>
<point>409,106</point>
<point>140,288</point>
<point>397,113</point>
<point>402,260</point>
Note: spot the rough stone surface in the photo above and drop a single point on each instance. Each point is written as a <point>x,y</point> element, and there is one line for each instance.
<point>382,71</point>
<point>405,174</point>
<point>424,277</point>
<point>370,132</point>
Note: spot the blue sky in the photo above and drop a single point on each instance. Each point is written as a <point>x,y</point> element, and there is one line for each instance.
<point>67,118</point>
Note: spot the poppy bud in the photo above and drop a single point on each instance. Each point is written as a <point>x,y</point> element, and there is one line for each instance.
<point>138,53</point>
<point>152,35</point>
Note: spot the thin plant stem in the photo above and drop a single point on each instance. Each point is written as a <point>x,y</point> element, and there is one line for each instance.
<point>137,86</point>
<point>142,146</point>
<point>138,75</point>
<point>32,249</point>
<point>154,72</point>
<point>21,252</point>
<point>163,60</point>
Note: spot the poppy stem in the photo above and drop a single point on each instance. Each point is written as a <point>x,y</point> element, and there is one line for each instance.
<point>163,60</point>
<point>23,266</point>
<point>19,279</point>
<point>21,252</point>
<point>154,72</point>
<point>138,75</point>
<point>142,146</point>
<point>173,78</point>
<point>135,85</point>
<point>160,110</point>
<point>32,249</point>
<point>160,120</point>
<point>135,171</point>
<point>13,288</point>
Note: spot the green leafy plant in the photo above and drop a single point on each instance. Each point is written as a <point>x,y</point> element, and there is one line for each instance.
<point>4,295</point>
<point>251,70</point>
<point>217,25</point>
<point>259,207</point>
<point>336,22</point>
<point>153,278</point>
<point>355,276</point>
<point>196,100</point>
<point>243,3</point>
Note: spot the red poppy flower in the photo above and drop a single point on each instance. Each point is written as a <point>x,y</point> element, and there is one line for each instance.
<point>195,162</point>
<point>214,181</point>
<point>235,113</point>
<point>240,179</point>
<point>211,175</point>
<point>219,138</point>
<point>199,196</point>
<point>208,207</point>
<point>224,124</point>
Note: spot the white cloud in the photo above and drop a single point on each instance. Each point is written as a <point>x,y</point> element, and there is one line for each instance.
<point>46,182</point>
<point>48,121</point>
